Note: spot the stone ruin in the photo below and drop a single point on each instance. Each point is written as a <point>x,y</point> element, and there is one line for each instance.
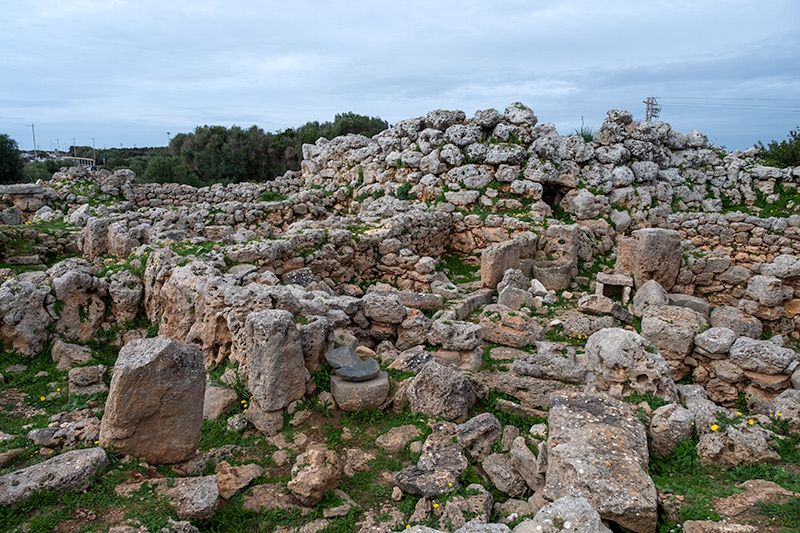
<point>631,264</point>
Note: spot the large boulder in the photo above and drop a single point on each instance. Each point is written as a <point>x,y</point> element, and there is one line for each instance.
<point>80,295</point>
<point>672,331</point>
<point>501,325</point>
<point>314,473</point>
<point>736,320</point>
<point>496,259</point>
<point>625,363</point>
<point>71,471</point>
<point>439,390</point>
<point>155,404</point>
<point>455,335</point>
<point>656,255</point>
<point>594,444</point>
<point>275,366</point>
<point>23,318</point>
<point>573,514</point>
<point>763,357</point>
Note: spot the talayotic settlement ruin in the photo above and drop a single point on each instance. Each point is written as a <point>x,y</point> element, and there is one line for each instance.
<point>471,325</point>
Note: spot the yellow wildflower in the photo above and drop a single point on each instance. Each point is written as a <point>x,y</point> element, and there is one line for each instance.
<point>714,427</point>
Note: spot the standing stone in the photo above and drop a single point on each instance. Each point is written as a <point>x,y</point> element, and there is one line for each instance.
<point>657,255</point>
<point>496,259</point>
<point>275,362</point>
<point>155,404</point>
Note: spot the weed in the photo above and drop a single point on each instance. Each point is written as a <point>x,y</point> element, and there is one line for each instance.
<point>272,196</point>
<point>653,401</point>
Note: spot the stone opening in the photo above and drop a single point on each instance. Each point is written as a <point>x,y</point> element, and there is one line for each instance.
<point>552,193</point>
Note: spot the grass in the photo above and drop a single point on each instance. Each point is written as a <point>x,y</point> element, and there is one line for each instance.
<point>272,196</point>
<point>460,271</point>
<point>680,473</point>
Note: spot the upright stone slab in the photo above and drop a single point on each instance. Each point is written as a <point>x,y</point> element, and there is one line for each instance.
<point>657,255</point>
<point>275,363</point>
<point>496,259</point>
<point>598,451</point>
<point>155,404</point>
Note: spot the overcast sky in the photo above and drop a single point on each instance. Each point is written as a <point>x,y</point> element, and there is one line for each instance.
<point>127,72</point>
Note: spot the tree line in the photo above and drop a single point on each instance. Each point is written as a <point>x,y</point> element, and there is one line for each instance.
<point>208,155</point>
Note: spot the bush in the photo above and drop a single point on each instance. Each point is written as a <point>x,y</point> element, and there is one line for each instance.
<point>784,153</point>
<point>10,163</point>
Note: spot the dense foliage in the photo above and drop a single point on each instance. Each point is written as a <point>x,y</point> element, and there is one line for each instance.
<point>782,154</point>
<point>216,154</point>
<point>10,163</point>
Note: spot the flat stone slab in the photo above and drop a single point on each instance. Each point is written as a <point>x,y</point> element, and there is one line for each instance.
<point>415,480</point>
<point>21,188</point>
<point>362,371</point>
<point>342,357</point>
<point>71,471</point>
<point>598,450</point>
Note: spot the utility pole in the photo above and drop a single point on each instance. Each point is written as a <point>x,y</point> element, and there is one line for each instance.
<point>33,131</point>
<point>58,145</point>
<point>94,153</point>
<point>74,148</point>
<point>652,109</point>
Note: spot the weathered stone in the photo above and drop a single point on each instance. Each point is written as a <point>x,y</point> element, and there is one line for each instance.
<point>341,357</point>
<point>669,425</point>
<point>709,526</point>
<point>193,497</point>
<point>761,356</point>
<point>355,396</point>
<point>737,444</point>
<point>441,451</point>
<point>383,308</point>
<point>692,302</point>
<point>275,366</point>
<point>441,391</point>
<point>455,335</point>
<point>396,439</point>
<point>478,434</point>
<point>71,471</point>
<point>496,259</point>
<point>787,406</point>
<point>717,341</point>
<point>231,479</point>
<point>155,405</point>
<point>501,325</point>
<point>314,473</point>
<point>736,320</point>
<point>67,355</point>
<point>672,329</point>
<point>317,339</point>
<point>568,513</point>
<point>87,380</point>
<point>651,293</point>
<point>267,422</point>
<point>217,401</point>
<point>594,444</point>
<point>530,467</point>
<point>23,318</point>
<point>657,255</point>
<point>625,361</point>
<point>768,290</point>
<point>498,467</point>
<point>550,363</point>
<point>362,371</point>
<point>515,298</point>
<point>415,480</point>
